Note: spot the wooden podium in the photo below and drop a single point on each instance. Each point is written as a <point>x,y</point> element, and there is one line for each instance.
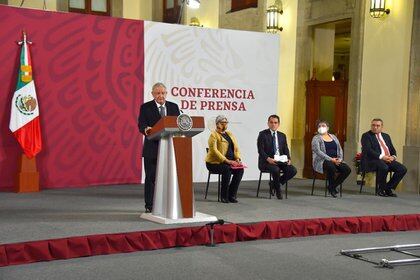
<point>173,200</point>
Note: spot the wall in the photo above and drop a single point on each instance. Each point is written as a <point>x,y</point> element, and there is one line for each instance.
<point>310,14</point>
<point>386,58</point>
<point>146,7</point>
<point>251,19</point>
<point>208,14</point>
<point>412,144</point>
<point>137,9</point>
<point>35,4</point>
<point>286,89</point>
<point>131,9</point>
<point>323,52</point>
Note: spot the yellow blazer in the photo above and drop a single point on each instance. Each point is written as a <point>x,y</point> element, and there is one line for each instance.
<point>218,147</point>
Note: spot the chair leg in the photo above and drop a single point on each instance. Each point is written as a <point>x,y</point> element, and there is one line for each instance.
<point>286,189</point>
<point>341,190</point>
<point>326,187</point>
<point>376,184</point>
<point>363,181</point>
<point>269,185</point>
<point>218,187</point>
<point>259,183</point>
<point>313,184</point>
<point>207,187</point>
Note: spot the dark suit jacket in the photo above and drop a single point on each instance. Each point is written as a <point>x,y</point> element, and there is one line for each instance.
<point>149,116</point>
<point>371,150</point>
<point>265,145</point>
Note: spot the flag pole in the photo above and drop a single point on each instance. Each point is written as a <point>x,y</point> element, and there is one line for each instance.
<point>28,176</point>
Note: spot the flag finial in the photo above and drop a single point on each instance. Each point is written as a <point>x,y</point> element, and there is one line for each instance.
<point>25,40</point>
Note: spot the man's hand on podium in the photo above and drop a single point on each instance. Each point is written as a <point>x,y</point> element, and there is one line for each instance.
<point>147,130</point>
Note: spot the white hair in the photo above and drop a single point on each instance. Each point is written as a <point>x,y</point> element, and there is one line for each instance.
<point>158,84</point>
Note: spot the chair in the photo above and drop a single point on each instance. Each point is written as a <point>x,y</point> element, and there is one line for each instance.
<point>271,191</point>
<point>376,181</point>
<point>208,182</point>
<point>218,185</point>
<point>362,167</point>
<point>314,173</point>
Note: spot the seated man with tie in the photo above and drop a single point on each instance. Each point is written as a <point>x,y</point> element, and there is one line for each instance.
<point>150,114</point>
<point>274,156</point>
<point>378,154</point>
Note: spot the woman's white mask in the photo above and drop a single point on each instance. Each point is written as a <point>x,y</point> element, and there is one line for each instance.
<point>322,130</point>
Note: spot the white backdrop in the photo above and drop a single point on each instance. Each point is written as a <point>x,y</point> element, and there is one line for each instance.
<point>214,62</point>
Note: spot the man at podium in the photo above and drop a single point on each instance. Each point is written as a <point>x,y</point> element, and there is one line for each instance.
<point>150,113</point>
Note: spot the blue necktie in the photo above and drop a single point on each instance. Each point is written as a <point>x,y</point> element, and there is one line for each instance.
<point>162,111</point>
<point>274,143</point>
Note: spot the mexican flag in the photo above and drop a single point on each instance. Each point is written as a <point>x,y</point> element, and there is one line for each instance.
<point>24,117</point>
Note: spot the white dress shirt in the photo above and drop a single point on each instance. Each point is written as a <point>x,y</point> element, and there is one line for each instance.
<point>382,150</point>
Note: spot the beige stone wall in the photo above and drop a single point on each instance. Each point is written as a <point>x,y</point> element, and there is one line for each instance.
<point>131,9</point>
<point>412,141</point>
<point>35,4</point>
<point>137,9</point>
<point>252,19</point>
<point>208,14</point>
<point>323,51</point>
<point>386,61</point>
<point>286,88</point>
<point>311,13</point>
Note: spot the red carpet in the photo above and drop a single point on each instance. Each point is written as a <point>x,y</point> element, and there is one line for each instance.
<point>104,244</point>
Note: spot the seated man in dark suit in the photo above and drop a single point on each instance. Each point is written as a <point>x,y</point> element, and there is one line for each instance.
<point>150,114</point>
<point>378,154</point>
<point>274,154</point>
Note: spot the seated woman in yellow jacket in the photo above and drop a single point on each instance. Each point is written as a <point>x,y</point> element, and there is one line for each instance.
<point>224,154</point>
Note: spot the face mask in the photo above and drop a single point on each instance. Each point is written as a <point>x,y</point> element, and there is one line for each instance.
<point>322,130</point>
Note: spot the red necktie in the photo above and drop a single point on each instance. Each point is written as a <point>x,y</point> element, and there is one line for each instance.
<point>384,147</point>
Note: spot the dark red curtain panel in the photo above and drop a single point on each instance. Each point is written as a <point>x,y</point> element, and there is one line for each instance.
<point>104,244</point>
<point>88,72</point>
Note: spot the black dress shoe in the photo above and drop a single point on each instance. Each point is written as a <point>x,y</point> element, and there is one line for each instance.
<point>233,200</point>
<point>390,193</point>
<point>333,193</point>
<point>382,193</point>
<point>278,194</point>
<point>224,200</point>
<point>272,189</point>
<point>149,209</point>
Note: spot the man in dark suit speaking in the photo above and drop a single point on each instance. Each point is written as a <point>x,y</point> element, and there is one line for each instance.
<point>274,155</point>
<point>150,114</point>
<point>378,154</point>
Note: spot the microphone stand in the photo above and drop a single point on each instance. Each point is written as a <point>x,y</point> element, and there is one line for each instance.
<point>218,222</point>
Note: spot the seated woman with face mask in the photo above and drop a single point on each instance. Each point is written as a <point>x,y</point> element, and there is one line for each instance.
<point>327,157</point>
<point>224,158</point>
